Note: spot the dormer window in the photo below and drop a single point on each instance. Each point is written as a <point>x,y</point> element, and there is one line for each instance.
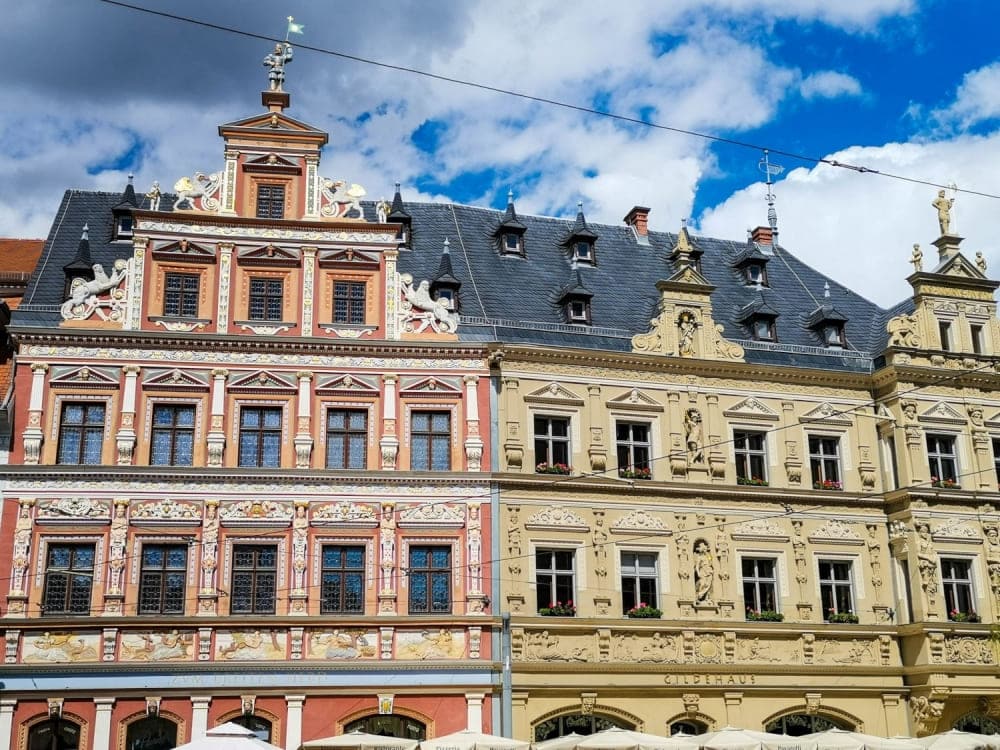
<point>755,274</point>
<point>833,334</point>
<point>583,251</point>
<point>123,229</point>
<point>446,297</point>
<point>513,243</point>
<point>763,329</point>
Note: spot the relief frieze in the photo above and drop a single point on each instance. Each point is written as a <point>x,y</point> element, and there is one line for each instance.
<point>336,645</point>
<point>169,646</point>
<point>55,647</point>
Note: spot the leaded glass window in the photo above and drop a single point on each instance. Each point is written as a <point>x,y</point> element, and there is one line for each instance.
<point>81,433</point>
<point>161,581</point>
<point>255,568</point>
<point>430,441</point>
<point>180,295</point>
<point>69,579</point>
<point>270,201</point>
<point>260,436</point>
<point>349,302</point>
<point>266,298</point>
<point>346,438</point>
<point>172,438</point>
<point>430,579</point>
<point>343,580</point>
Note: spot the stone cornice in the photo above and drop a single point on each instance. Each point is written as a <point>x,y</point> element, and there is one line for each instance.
<point>914,375</point>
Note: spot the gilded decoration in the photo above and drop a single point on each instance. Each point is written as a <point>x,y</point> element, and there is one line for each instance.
<point>430,644</point>
<point>250,645</point>
<point>61,647</point>
<point>199,193</point>
<point>168,646</point>
<point>337,644</point>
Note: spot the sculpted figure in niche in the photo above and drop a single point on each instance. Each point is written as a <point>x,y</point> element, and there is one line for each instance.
<point>927,560</point>
<point>943,206</point>
<point>685,334</point>
<point>704,572</point>
<point>692,428</point>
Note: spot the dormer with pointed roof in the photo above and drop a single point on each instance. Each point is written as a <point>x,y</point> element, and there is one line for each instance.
<point>751,262</point>
<point>581,239</point>
<point>399,215</point>
<point>445,286</point>
<point>760,318</point>
<point>828,322</point>
<point>509,233</point>
<point>122,213</point>
<point>82,265</point>
<point>574,298</point>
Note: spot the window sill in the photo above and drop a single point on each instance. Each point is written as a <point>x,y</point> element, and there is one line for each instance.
<point>827,488</point>
<point>264,327</point>
<point>752,482</point>
<point>178,324</point>
<point>348,330</point>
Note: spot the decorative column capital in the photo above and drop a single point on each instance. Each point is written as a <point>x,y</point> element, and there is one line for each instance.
<point>220,373</point>
<point>39,367</point>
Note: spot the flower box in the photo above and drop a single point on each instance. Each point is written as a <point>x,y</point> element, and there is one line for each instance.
<point>644,611</point>
<point>828,484</point>
<point>956,616</point>
<point>752,481</point>
<point>547,468</point>
<point>558,609</point>
<point>764,615</point>
<point>646,473</point>
<point>844,618</point>
<point>945,484</point>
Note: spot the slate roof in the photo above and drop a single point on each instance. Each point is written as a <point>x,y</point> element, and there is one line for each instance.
<point>514,299</point>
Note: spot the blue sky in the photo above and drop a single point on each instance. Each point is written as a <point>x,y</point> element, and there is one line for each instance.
<point>910,87</point>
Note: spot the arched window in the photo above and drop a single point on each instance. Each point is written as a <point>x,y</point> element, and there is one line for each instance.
<point>558,726</point>
<point>797,725</point>
<point>978,723</point>
<point>151,733</point>
<point>256,724</point>
<point>688,726</point>
<point>54,734</point>
<point>389,725</point>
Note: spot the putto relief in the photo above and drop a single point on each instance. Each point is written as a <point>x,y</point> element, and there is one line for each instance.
<point>61,647</point>
<point>169,646</point>
<point>250,645</point>
<point>336,645</point>
<point>430,644</point>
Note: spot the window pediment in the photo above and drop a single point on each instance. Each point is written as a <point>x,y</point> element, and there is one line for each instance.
<point>267,255</point>
<point>432,386</point>
<point>752,408</point>
<point>170,379</point>
<point>554,393</point>
<point>348,256</point>
<point>634,400</point>
<point>827,413</point>
<point>184,251</point>
<point>85,377</point>
<point>347,384</point>
<point>555,517</point>
<point>943,413</point>
<point>262,382</point>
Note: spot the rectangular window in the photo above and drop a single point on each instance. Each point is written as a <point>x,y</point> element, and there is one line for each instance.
<point>81,433</point>
<point>69,579</point>
<point>346,438</point>
<point>639,574</point>
<point>430,441</point>
<point>978,341</point>
<point>161,580</point>
<point>836,587</point>
<point>942,459</point>
<point>763,329</point>
<point>760,585</point>
<point>956,580</point>
<point>342,590</point>
<point>824,462</point>
<point>555,579</point>
<point>260,436</point>
<point>255,570</point>
<point>552,441</point>
<point>349,302</point>
<point>172,437</point>
<point>632,440</point>
<point>996,457</point>
<point>944,330</point>
<point>270,201</point>
<point>583,251</point>
<point>512,243</point>
<point>180,297</point>
<point>266,298</point>
<point>430,580</point>
<point>751,457</point>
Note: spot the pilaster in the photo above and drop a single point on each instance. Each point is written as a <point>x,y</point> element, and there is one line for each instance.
<point>216,438</point>
<point>473,443</point>
<point>389,444</point>
<point>303,434</point>
<point>33,434</point>
<point>125,439</point>
<point>293,730</point>
<point>225,282</point>
<point>102,723</point>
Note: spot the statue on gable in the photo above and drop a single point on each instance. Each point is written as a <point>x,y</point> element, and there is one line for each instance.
<point>420,311</point>
<point>200,193</point>
<point>276,62</point>
<point>84,294</point>
<point>943,206</point>
<point>337,198</point>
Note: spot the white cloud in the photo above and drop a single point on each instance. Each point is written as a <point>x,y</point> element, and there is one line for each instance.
<point>977,99</point>
<point>829,84</point>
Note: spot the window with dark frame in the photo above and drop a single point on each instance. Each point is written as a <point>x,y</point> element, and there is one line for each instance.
<point>944,331</point>
<point>633,446</point>
<point>260,436</point>
<point>512,243</point>
<point>161,579</point>
<point>760,584</point>
<point>836,587</point>
<point>578,311</point>
<point>555,577</point>
<point>266,299</point>
<point>763,329</point>
<point>583,251</point>
<point>346,438</point>
<point>978,339</point>
<point>430,441</point>
<point>180,295</point>
<point>253,588</point>
<point>342,586</point>
<point>81,433</point>
<point>750,448</point>
<point>69,579</point>
<point>639,574</point>
<point>270,201</point>
<point>956,580</point>
<point>171,441</point>
<point>942,458</point>
<point>349,302</point>
<point>755,274</point>
<point>996,457</point>
<point>429,575</point>
<point>552,440</point>
<point>824,460</point>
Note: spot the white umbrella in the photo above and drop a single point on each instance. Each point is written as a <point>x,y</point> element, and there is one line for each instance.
<point>228,736</point>
<point>733,738</point>
<point>467,739</point>
<point>842,739</point>
<point>360,741</point>
<point>615,738</point>
<point>955,739</point>
<point>566,742</point>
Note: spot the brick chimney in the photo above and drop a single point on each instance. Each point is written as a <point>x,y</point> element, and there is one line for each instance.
<point>638,219</point>
<point>762,236</point>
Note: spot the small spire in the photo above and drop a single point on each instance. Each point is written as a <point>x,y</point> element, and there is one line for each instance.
<point>130,177</point>
<point>82,264</point>
<point>826,289</point>
<point>85,235</point>
<point>447,247</point>
<point>684,223</point>
<point>579,207</point>
<point>510,197</point>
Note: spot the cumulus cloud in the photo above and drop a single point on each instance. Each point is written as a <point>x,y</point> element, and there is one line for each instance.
<point>977,99</point>
<point>829,84</point>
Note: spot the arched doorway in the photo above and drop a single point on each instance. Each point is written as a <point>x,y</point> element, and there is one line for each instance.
<point>389,725</point>
<point>978,723</point>
<point>797,725</point>
<point>151,733</point>
<point>256,724</point>
<point>558,726</point>
<point>54,734</point>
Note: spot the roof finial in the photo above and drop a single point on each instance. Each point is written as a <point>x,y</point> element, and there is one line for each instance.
<point>130,176</point>
<point>397,187</point>
<point>510,196</point>
<point>579,206</point>
<point>771,170</point>
<point>447,247</point>
<point>86,232</point>
<point>826,289</point>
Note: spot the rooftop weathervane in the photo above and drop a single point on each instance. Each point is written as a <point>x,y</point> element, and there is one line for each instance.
<point>282,55</point>
<point>771,170</point>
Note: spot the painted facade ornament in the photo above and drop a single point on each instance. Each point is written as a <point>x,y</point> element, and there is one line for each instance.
<point>87,296</point>
<point>166,510</point>
<point>116,547</point>
<point>387,555</point>
<point>427,644</point>
<point>275,62</point>
<point>209,550</point>
<point>943,206</point>
<point>61,647</point>
<point>437,514</point>
<point>903,331</point>
<point>172,646</point>
<point>694,436</point>
<point>200,193</point>
<point>300,531</point>
<point>74,507</point>
<point>917,258</point>
<point>22,547</point>
<point>704,573</point>
<point>419,311</point>
<point>338,199</point>
<point>337,645</point>
<point>250,645</point>
<point>345,513</point>
<point>256,510</point>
